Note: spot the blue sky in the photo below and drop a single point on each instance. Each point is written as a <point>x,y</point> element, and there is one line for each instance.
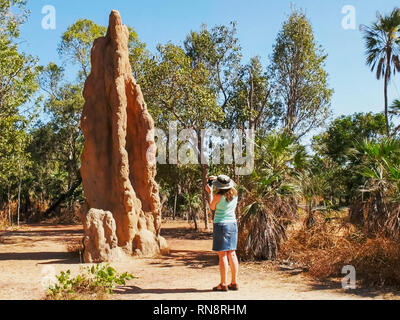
<point>160,21</point>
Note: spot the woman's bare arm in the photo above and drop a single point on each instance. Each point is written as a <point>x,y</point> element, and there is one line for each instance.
<point>214,201</point>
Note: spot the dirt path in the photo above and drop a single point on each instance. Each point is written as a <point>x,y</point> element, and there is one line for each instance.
<point>31,254</point>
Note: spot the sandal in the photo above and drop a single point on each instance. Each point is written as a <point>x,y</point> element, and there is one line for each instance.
<point>220,287</point>
<point>233,287</point>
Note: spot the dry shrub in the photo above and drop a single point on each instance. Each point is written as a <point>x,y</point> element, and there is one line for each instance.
<point>356,212</point>
<point>377,262</point>
<point>262,227</point>
<point>316,248</point>
<point>67,216</point>
<point>260,235</point>
<point>3,222</point>
<point>392,224</point>
<point>326,248</point>
<point>377,216</point>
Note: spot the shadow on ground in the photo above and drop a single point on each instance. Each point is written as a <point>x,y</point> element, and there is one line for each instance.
<point>138,290</point>
<point>185,233</point>
<point>188,258</point>
<point>48,257</point>
<point>32,236</point>
<point>336,284</point>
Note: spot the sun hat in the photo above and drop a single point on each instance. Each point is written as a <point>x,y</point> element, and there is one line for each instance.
<point>223,182</point>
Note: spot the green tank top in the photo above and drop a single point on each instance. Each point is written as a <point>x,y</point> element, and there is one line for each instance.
<point>225,211</point>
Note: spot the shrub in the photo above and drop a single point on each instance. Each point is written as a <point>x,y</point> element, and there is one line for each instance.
<point>324,249</point>
<point>97,282</point>
<point>3,222</point>
<point>262,228</point>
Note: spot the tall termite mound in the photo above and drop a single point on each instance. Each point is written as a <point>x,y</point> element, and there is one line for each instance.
<point>123,210</point>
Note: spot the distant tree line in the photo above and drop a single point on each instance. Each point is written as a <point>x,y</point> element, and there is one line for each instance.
<point>202,83</point>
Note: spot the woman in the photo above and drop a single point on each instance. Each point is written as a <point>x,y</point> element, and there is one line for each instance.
<point>224,204</point>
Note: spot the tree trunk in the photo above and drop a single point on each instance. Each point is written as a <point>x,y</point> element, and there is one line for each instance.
<point>64,196</point>
<point>310,208</point>
<point>204,172</point>
<point>233,167</point>
<point>386,94</point>
<point>192,213</point>
<point>9,206</point>
<point>176,198</point>
<point>19,201</point>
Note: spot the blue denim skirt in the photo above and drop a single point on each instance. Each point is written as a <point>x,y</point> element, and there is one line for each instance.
<point>225,236</point>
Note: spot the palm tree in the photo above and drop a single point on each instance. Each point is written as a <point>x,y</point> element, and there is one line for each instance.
<point>379,165</point>
<point>268,201</point>
<point>383,49</point>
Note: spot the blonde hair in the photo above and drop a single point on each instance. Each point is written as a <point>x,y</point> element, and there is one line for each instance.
<point>228,193</point>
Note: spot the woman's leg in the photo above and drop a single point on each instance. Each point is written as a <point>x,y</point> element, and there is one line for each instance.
<point>234,264</point>
<point>223,266</point>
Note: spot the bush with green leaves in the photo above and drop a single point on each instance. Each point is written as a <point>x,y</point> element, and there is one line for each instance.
<point>378,206</point>
<point>269,197</point>
<point>97,282</point>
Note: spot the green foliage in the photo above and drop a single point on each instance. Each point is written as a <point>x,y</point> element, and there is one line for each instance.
<point>334,156</point>
<point>77,43</point>
<point>175,90</point>
<point>12,14</point>
<point>139,56</point>
<point>378,204</point>
<point>381,39</point>
<point>278,160</point>
<point>345,132</point>
<point>298,74</point>
<point>251,100</point>
<point>395,111</point>
<point>57,144</point>
<point>98,280</point>
<point>18,84</point>
<point>380,165</point>
<point>219,51</point>
<point>268,202</point>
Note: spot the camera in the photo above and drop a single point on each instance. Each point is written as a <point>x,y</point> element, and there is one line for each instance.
<point>210,182</point>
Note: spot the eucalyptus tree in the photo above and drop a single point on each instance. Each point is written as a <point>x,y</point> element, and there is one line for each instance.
<point>252,99</point>
<point>76,44</point>
<point>178,90</point>
<point>298,74</point>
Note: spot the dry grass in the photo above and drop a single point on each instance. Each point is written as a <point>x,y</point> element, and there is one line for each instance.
<point>329,245</point>
<point>3,222</point>
<point>84,291</point>
<point>377,216</point>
